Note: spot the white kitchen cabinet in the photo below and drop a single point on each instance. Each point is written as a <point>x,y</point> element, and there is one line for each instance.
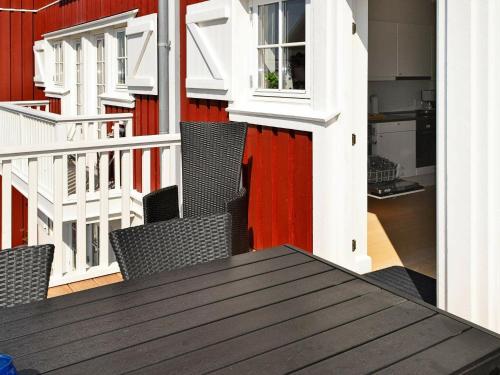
<point>383,51</point>
<point>396,141</point>
<point>414,50</point>
<point>399,50</point>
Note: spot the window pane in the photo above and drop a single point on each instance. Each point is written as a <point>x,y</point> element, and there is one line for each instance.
<point>294,23</point>
<point>121,44</point>
<point>294,69</point>
<point>121,71</point>
<point>268,24</point>
<point>268,68</point>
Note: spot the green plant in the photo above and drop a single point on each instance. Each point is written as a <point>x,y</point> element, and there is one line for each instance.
<point>272,80</point>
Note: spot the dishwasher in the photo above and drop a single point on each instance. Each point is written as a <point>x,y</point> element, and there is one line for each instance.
<point>393,143</point>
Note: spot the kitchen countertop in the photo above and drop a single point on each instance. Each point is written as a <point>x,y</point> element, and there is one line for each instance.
<point>392,116</point>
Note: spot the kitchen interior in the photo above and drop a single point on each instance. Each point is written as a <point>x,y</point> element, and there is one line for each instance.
<point>402,135</point>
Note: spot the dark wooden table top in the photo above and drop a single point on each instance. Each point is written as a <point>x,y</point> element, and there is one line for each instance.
<point>270,312</point>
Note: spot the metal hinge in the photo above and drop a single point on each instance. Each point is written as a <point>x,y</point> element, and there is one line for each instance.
<point>354,28</point>
<point>251,81</point>
<point>354,139</point>
<point>250,14</point>
<point>354,245</point>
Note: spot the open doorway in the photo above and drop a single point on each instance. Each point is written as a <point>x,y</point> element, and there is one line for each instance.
<point>402,135</point>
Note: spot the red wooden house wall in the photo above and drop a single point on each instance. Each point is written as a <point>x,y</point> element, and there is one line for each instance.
<point>16,83</point>
<point>277,169</point>
<point>278,163</point>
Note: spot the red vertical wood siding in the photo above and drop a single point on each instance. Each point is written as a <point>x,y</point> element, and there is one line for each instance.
<point>19,217</point>
<point>277,169</point>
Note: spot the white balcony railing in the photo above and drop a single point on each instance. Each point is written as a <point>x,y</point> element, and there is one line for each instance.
<point>99,161</point>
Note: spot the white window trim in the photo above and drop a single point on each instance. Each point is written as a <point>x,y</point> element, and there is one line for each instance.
<point>59,76</point>
<point>121,86</point>
<point>279,93</point>
<point>114,95</point>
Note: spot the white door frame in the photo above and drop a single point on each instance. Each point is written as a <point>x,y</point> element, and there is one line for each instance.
<point>468,173</point>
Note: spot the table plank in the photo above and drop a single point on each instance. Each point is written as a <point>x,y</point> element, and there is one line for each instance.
<point>450,356</point>
<point>391,348</point>
<point>163,278</point>
<point>320,346</point>
<point>140,313</point>
<point>271,288</point>
<point>102,307</point>
<point>264,340</point>
<point>219,332</point>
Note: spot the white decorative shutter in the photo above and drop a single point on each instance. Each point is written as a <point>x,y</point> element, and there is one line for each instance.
<point>142,53</point>
<point>209,55</point>
<point>40,52</point>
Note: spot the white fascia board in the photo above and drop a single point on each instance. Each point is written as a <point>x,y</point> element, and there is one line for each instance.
<point>115,20</point>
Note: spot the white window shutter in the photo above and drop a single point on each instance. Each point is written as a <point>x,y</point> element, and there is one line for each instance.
<point>142,41</point>
<point>209,54</point>
<point>40,52</point>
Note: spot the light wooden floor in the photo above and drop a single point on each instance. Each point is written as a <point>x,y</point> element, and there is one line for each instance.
<point>85,284</point>
<point>402,231</point>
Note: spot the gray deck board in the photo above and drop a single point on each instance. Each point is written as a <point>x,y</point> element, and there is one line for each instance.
<point>277,311</point>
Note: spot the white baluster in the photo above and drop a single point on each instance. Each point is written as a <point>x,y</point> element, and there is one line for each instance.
<point>116,135</point>
<point>81,213</point>
<point>146,171</point>
<point>126,186</point>
<point>33,201</point>
<point>58,263</point>
<point>104,210</point>
<point>6,204</point>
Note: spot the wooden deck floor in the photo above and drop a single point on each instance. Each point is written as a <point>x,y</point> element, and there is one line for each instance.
<point>85,284</point>
<point>402,231</point>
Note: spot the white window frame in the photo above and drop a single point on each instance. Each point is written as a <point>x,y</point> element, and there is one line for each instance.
<point>280,92</point>
<point>58,63</point>
<point>103,84</point>
<point>121,85</point>
<point>79,77</point>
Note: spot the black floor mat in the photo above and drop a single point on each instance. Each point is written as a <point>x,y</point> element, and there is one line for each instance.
<point>408,281</point>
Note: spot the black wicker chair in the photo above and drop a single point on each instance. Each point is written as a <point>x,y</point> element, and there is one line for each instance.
<point>173,244</point>
<point>24,274</point>
<point>212,155</point>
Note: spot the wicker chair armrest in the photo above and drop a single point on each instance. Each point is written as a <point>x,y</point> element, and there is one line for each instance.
<point>161,205</point>
<point>237,206</point>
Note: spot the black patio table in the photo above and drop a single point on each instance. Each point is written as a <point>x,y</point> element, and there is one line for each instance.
<point>268,312</point>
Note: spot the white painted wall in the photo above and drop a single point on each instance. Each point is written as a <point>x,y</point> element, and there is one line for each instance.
<point>469,159</point>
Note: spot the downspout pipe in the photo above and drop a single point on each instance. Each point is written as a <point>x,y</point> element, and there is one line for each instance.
<point>163,67</point>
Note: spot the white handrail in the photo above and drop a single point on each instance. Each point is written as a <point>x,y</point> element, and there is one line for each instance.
<point>56,118</point>
<point>112,144</point>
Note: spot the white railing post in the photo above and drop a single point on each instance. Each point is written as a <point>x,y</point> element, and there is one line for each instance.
<point>6,204</point>
<point>32,201</point>
<point>58,263</point>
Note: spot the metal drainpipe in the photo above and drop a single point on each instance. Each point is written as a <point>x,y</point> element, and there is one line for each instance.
<point>163,67</point>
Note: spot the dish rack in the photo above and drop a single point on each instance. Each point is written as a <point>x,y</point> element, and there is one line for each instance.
<point>381,170</point>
